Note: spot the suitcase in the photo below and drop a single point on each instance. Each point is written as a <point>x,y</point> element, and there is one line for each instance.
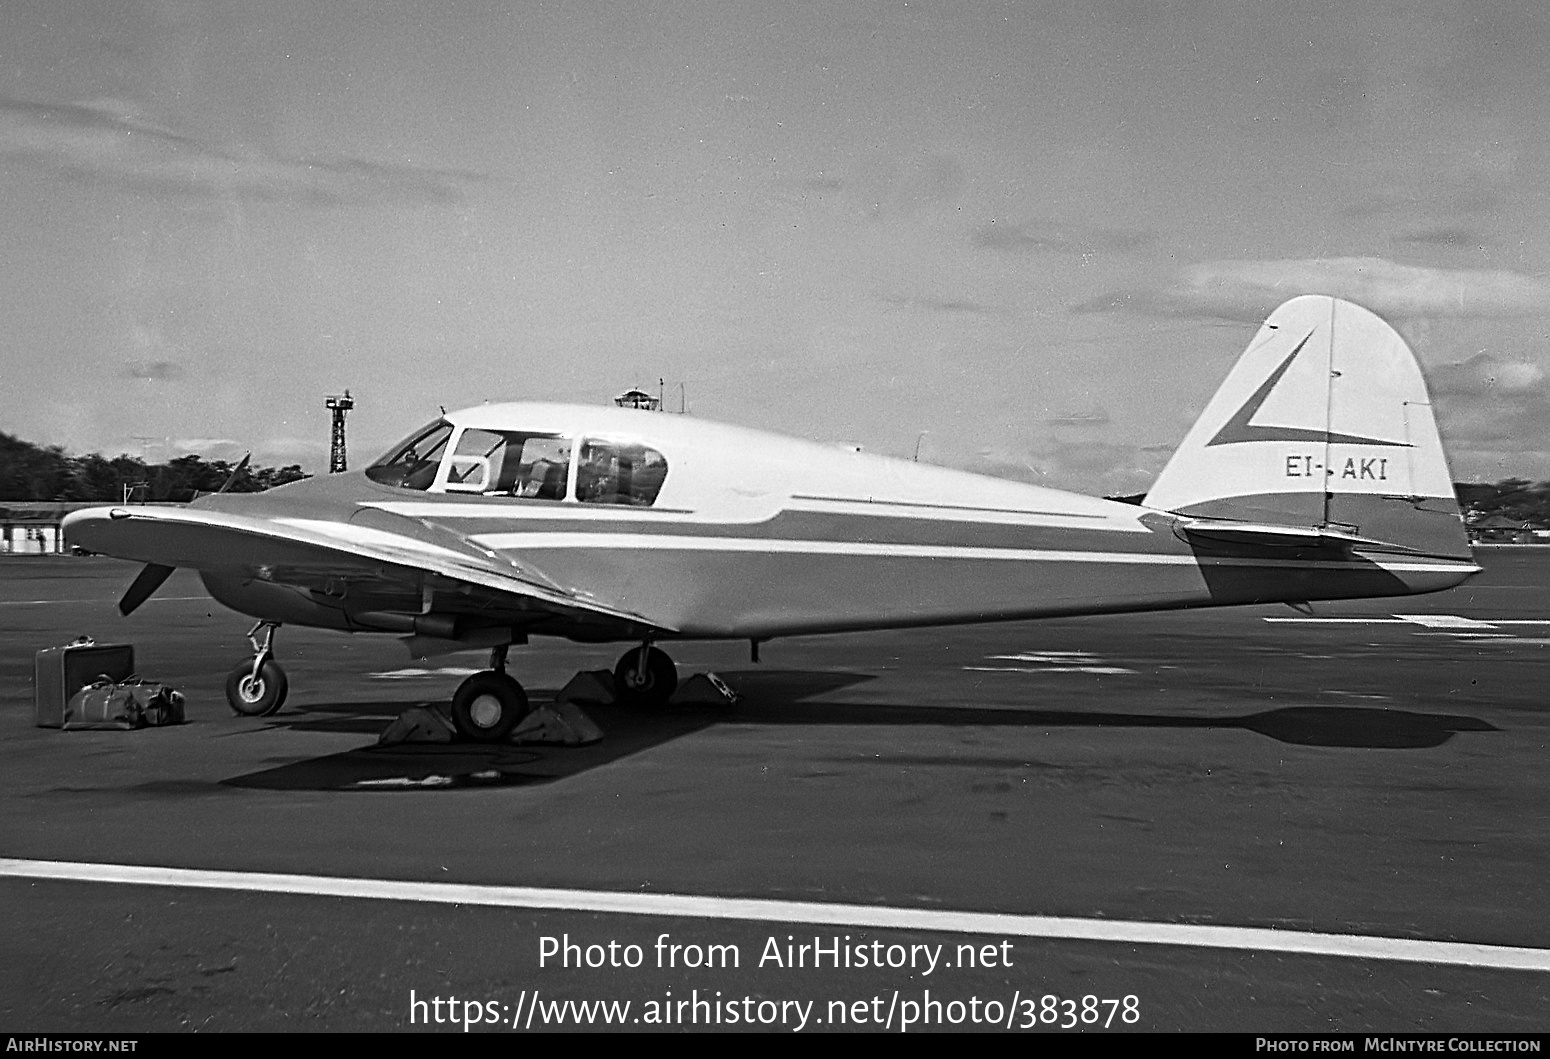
<point>60,672</point>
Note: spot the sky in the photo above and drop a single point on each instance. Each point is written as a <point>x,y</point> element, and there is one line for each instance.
<point>1028,239</point>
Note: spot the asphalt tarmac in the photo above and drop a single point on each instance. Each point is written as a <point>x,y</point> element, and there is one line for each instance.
<point>1267,784</point>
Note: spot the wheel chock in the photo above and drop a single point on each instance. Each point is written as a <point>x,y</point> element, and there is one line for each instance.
<point>422,724</point>
<point>562,724</point>
<point>703,689</point>
<point>595,686</point>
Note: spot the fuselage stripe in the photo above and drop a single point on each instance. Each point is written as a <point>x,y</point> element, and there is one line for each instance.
<point>503,509</point>
<point>671,542</point>
<point>928,506</point>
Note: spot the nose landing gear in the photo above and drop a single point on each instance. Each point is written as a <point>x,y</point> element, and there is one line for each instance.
<point>488,705</point>
<point>258,688</point>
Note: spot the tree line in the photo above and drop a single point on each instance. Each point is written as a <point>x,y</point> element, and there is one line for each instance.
<point>1517,499</point>
<point>37,472</point>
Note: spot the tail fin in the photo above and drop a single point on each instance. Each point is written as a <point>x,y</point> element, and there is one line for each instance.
<point>1324,423</point>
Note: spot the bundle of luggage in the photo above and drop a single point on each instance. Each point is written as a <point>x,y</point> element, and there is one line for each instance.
<point>90,685</point>
<point>132,703</point>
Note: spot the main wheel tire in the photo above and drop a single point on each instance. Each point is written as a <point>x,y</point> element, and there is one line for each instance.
<point>487,706</point>
<point>645,676</point>
<point>257,697</point>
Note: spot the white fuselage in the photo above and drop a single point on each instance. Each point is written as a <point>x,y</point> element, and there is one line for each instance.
<point>754,535</point>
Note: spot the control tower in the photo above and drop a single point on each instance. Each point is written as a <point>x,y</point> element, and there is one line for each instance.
<point>638,399</point>
<point>339,405</point>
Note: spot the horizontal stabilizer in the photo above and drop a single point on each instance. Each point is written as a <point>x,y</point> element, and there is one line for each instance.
<point>1271,536</point>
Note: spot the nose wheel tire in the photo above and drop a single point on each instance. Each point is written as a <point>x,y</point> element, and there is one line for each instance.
<point>259,696</point>
<point>487,706</point>
<point>645,676</point>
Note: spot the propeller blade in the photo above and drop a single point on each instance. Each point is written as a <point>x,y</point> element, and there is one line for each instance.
<point>145,583</point>
<point>231,479</point>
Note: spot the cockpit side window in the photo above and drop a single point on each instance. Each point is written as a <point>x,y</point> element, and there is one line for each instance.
<point>510,463</point>
<point>412,463</point>
<point>617,472</point>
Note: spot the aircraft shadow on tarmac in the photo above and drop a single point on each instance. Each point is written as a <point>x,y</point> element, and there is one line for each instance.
<point>781,698</point>
<point>768,702</point>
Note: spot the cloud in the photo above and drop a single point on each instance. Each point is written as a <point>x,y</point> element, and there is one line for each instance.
<point>1487,405</point>
<point>1448,236</point>
<point>1487,375</point>
<point>890,186</point>
<point>939,305</point>
<point>1056,238</point>
<point>877,187</point>
<point>1093,417</point>
<point>1096,468</point>
<point>1471,201</point>
<point>310,451</point>
<point>108,143</point>
<point>1486,464</point>
<point>1249,290</point>
<point>207,448</point>
<point>153,370</point>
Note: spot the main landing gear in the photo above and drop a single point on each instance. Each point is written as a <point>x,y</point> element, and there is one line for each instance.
<point>645,676</point>
<point>257,688</point>
<point>488,705</point>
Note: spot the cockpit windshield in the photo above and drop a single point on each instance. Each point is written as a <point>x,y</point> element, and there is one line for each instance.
<point>413,462</point>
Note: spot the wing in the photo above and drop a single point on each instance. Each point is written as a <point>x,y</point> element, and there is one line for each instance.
<point>322,555</point>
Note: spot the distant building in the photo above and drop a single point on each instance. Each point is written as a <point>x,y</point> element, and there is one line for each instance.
<point>31,527</point>
<point>638,399</point>
<point>1498,529</point>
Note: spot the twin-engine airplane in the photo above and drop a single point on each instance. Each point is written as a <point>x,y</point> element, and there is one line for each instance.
<point>1316,472</point>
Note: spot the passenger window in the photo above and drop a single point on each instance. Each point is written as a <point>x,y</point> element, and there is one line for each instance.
<point>475,461</point>
<point>613,472</point>
<point>509,463</point>
<point>413,463</point>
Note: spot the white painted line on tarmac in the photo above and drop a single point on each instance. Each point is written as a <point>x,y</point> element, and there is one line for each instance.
<point>759,910</point>
<point>1340,621</point>
<point>413,672</point>
<point>1050,662</point>
<point>44,602</point>
<point>1432,621</point>
<point>1445,621</point>
<point>1100,670</point>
